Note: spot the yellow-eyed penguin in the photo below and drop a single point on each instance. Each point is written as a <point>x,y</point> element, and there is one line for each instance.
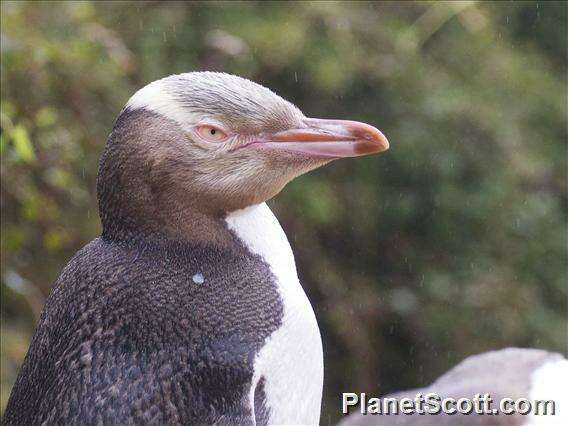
<point>188,308</point>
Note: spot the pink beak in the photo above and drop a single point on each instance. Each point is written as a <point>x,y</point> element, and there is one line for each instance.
<point>328,138</point>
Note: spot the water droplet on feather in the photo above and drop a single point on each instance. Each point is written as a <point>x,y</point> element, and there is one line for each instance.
<point>198,278</point>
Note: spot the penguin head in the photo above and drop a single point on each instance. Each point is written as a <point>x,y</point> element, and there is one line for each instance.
<point>223,142</point>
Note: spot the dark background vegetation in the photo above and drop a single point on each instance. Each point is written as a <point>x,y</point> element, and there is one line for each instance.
<point>451,243</point>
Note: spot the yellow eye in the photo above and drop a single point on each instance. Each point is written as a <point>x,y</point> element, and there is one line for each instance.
<point>211,133</point>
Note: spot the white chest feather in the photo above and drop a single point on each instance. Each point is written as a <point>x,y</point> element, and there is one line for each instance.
<point>291,360</point>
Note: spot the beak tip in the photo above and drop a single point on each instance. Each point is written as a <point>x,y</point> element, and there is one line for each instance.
<point>377,138</point>
<point>384,143</point>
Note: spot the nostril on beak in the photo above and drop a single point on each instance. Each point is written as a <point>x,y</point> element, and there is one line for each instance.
<point>369,136</point>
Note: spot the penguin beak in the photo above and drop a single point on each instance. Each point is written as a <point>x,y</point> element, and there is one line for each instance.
<point>328,138</point>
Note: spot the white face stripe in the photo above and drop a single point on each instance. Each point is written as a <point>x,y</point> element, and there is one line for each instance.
<point>291,360</point>
<point>156,97</point>
<point>548,382</point>
<point>191,97</point>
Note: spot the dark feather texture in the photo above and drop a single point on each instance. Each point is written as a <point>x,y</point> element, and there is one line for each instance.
<point>128,337</point>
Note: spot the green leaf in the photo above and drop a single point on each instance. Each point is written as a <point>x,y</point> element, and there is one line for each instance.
<point>46,117</point>
<point>2,143</point>
<point>22,144</point>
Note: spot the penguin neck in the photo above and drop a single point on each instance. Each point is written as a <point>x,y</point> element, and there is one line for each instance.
<point>158,219</point>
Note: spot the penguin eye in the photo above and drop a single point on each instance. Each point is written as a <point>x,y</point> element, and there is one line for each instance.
<point>211,133</point>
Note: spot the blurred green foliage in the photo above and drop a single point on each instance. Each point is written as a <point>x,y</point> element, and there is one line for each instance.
<point>451,243</point>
